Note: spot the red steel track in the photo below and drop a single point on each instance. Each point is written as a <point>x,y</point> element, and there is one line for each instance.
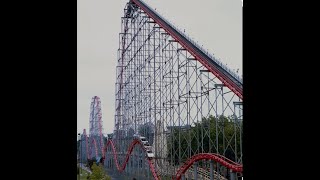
<point>235,167</point>
<point>203,59</point>
<point>122,168</point>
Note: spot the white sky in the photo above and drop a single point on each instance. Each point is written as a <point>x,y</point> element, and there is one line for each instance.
<point>215,24</point>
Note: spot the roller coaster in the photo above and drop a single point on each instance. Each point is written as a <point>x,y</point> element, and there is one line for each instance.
<point>178,108</point>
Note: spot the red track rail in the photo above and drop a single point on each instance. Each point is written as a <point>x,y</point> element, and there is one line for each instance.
<point>235,167</point>
<point>122,168</point>
<point>187,45</point>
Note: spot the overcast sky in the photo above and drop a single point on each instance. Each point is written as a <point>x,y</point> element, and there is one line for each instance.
<point>215,24</point>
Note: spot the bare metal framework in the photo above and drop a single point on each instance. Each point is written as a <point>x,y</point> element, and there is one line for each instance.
<point>166,95</point>
<point>84,147</point>
<point>96,142</point>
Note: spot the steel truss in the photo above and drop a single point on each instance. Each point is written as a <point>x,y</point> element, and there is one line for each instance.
<point>96,143</point>
<point>166,95</point>
<point>84,148</point>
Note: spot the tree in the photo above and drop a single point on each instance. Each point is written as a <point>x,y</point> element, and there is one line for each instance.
<point>210,124</point>
<point>105,139</point>
<point>90,162</point>
<point>110,136</point>
<point>98,173</point>
<point>146,130</point>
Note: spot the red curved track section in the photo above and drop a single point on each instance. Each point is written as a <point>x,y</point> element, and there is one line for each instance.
<point>235,167</point>
<point>200,56</point>
<point>121,168</point>
<point>209,156</point>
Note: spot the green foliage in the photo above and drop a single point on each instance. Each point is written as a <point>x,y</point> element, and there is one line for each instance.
<point>90,162</point>
<point>192,137</point>
<point>146,130</point>
<point>83,172</point>
<point>110,136</point>
<point>98,173</point>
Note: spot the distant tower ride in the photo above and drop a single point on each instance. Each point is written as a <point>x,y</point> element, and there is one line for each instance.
<point>95,132</point>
